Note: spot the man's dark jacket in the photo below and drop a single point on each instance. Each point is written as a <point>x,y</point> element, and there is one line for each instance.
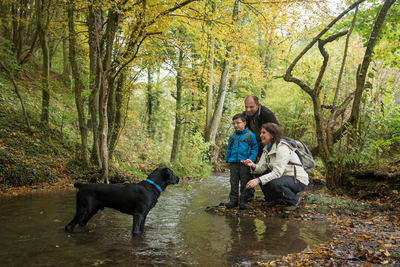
<point>265,115</point>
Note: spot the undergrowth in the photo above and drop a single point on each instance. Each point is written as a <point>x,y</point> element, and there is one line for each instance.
<point>49,151</point>
<point>28,159</point>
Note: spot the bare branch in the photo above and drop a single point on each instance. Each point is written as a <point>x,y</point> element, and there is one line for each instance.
<point>316,38</point>
<point>321,44</point>
<point>344,57</point>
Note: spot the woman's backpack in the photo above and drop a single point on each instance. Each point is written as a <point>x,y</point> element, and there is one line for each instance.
<point>302,151</point>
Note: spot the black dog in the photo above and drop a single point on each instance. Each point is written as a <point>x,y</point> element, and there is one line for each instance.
<point>134,199</point>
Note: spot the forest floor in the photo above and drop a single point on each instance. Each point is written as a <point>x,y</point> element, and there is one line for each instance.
<point>366,231</point>
<point>369,237</point>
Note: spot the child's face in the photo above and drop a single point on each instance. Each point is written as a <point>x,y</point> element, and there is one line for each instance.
<point>238,124</point>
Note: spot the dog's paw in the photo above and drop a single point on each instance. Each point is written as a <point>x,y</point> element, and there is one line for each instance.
<point>69,229</point>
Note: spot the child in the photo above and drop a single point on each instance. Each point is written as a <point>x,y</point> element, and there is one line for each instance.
<point>242,145</point>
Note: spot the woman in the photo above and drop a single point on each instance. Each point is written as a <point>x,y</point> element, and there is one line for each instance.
<point>286,177</point>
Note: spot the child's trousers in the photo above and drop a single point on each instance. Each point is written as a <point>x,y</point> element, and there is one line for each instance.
<point>240,174</point>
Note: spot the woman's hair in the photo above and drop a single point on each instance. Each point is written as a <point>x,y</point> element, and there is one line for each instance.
<point>275,130</point>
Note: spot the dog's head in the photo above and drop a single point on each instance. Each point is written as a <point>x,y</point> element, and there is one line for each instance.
<point>163,177</point>
<point>172,179</point>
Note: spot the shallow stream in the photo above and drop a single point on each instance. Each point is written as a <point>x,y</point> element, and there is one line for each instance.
<point>178,232</point>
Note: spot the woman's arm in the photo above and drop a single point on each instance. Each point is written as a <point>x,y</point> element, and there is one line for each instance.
<point>249,163</point>
<point>279,166</point>
<point>261,166</point>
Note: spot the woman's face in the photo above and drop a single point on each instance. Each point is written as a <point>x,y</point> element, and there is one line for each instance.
<point>265,137</point>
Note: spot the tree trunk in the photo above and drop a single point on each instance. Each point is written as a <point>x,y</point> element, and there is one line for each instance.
<point>219,106</point>
<point>221,94</point>
<point>104,132</point>
<point>112,25</point>
<point>4,21</point>
<point>209,110</point>
<point>18,22</point>
<point>107,82</point>
<point>94,83</point>
<point>15,20</point>
<point>178,120</point>
<point>362,74</point>
<point>117,125</point>
<point>111,107</point>
<point>46,64</point>
<point>66,66</point>
<point>150,100</point>
<point>78,84</point>
<point>234,78</point>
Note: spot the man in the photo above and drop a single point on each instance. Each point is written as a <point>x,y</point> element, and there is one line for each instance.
<point>256,115</point>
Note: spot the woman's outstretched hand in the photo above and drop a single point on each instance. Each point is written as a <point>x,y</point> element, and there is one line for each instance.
<point>249,162</point>
<point>252,183</point>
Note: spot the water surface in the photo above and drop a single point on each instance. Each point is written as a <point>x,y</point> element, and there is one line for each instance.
<point>178,232</point>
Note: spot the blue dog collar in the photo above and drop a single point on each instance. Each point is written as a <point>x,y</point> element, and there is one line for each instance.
<point>156,185</point>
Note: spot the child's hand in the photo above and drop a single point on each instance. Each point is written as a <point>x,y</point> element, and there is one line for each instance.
<point>249,162</point>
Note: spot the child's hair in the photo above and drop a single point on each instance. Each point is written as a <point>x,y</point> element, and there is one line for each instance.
<point>239,116</point>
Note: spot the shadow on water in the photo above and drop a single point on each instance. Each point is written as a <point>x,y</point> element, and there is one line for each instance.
<point>178,232</point>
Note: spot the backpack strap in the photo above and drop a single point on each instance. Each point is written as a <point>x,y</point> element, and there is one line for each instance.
<point>292,163</point>
<point>248,141</point>
<point>233,139</point>
<point>294,166</point>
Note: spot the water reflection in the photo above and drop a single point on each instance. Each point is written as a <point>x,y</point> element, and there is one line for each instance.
<point>263,239</point>
<point>242,240</point>
<point>178,232</point>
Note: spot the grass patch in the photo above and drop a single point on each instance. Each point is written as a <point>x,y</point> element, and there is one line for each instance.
<point>319,203</point>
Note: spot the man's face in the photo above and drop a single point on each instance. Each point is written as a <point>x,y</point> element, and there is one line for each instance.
<point>251,107</point>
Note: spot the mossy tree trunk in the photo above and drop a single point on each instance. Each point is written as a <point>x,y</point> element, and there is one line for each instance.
<point>117,124</point>
<point>95,16</point>
<point>209,111</point>
<point>78,85</point>
<point>215,150</point>
<point>41,28</point>
<point>178,107</point>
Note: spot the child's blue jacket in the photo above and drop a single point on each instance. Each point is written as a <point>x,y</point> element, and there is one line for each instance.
<point>239,150</point>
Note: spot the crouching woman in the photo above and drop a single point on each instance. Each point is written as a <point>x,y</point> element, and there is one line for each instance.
<point>284,175</point>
